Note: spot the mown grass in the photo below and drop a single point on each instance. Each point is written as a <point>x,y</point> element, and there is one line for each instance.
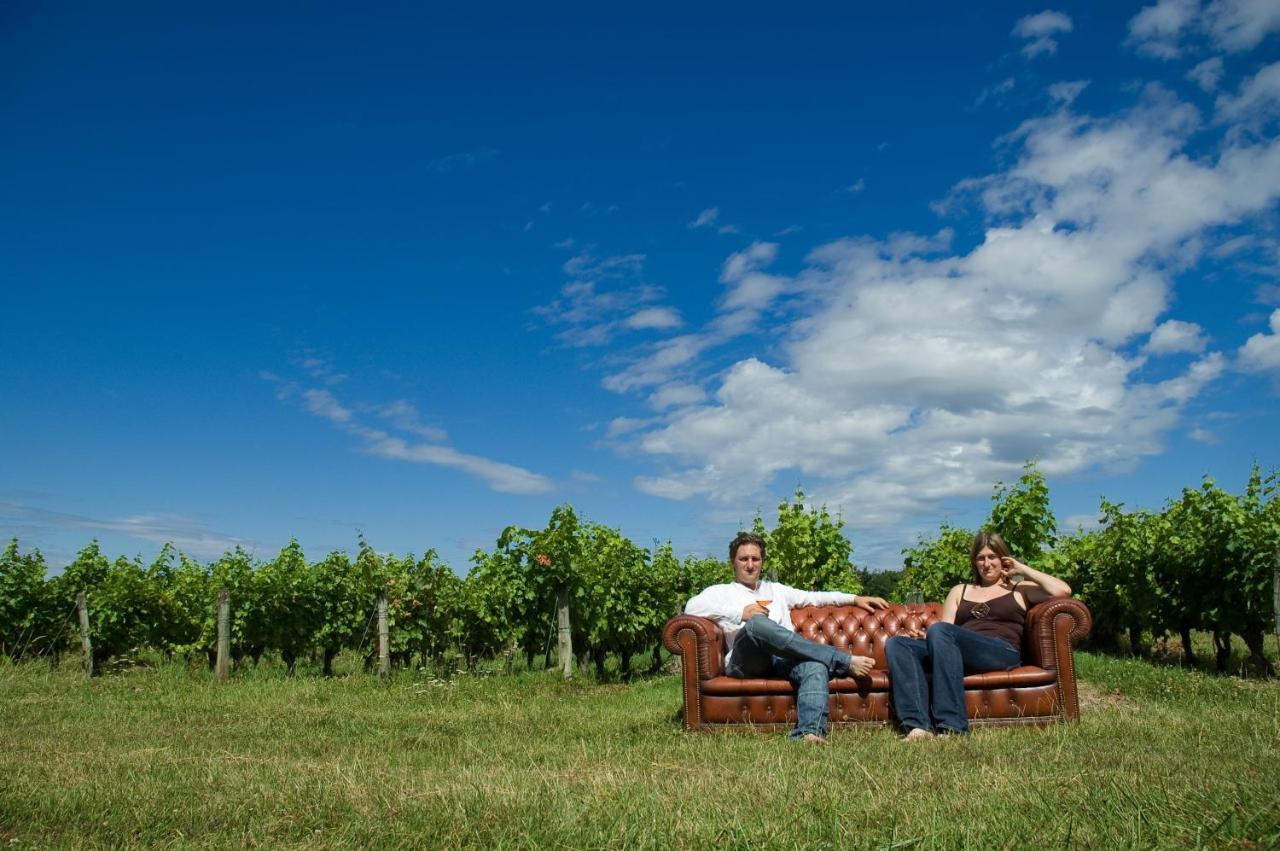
<point>164,757</point>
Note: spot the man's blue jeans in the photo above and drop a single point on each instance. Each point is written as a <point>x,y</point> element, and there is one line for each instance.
<point>764,647</point>
<point>951,651</point>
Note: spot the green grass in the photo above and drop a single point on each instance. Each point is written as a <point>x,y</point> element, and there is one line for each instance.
<point>1163,757</point>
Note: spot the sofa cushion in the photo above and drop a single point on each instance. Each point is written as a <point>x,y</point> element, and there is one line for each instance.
<point>1027,675</point>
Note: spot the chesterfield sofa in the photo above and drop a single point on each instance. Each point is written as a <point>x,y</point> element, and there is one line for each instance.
<point>1040,692</point>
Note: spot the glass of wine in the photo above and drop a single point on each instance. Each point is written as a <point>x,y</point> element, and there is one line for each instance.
<point>915,610</point>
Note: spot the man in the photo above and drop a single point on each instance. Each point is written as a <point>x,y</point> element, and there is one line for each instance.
<point>755,617</point>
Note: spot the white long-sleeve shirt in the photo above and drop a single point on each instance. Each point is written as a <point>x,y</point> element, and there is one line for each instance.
<point>724,604</point>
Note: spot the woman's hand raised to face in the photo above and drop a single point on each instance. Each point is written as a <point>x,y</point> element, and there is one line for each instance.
<point>1014,571</point>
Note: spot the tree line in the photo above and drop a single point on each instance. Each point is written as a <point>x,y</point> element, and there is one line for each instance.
<point>619,595</point>
<point>1209,560</point>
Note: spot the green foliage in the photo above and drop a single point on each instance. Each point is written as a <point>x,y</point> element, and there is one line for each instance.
<point>289,608</point>
<point>934,565</point>
<point>883,583</point>
<point>26,619</point>
<point>1021,515</point>
<point>807,549</point>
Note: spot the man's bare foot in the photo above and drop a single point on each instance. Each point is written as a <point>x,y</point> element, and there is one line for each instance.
<point>917,733</point>
<point>813,739</point>
<point>860,666</point>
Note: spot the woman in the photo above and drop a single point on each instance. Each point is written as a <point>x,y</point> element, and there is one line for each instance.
<point>980,630</point>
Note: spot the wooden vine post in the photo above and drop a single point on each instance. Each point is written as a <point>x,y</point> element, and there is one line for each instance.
<point>82,608</point>
<point>222,669</point>
<point>1275,596</point>
<point>564,632</point>
<point>384,637</point>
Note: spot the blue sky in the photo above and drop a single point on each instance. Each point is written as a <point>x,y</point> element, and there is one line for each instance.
<point>428,272</point>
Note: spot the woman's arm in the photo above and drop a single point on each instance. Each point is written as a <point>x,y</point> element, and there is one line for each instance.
<point>1036,585</point>
<point>951,604</point>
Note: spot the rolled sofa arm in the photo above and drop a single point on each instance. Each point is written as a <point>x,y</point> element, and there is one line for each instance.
<point>1054,627</point>
<point>700,646</point>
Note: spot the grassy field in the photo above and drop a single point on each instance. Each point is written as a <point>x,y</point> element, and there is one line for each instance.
<point>163,757</point>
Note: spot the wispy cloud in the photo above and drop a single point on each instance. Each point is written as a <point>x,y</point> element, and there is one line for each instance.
<point>706,218</point>
<point>604,298</point>
<point>462,161</point>
<point>189,534</point>
<point>426,446</point>
<point>1039,30</point>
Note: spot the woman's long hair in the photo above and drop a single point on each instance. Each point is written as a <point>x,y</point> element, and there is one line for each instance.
<point>986,538</point>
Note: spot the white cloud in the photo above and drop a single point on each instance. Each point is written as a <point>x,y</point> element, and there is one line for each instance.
<point>402,414</point>
<point>857,186</point>
<point>728,229</point>
<point>706,218</point>
<point>1065,93</point>
<point>323,404</point>
<point>505,478</point>
<point>462,161</point>
<point>1258,98</point>
<point>676,394</point>
<point>654,317</point>
<point>605,298</point>
<point>995,92</point>
<point>1157,30</point>
<point>1261,352</point>
<point>1162,31</point>
<point>903,373</point>
<point>1040,29</point>
<point>1172,336</point>
<point>1207,74</point>
<point>1203,435</point>
<point>189,534</point>
<point>1238,25</point>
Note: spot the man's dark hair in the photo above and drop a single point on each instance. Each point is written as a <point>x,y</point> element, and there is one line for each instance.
<point>745,538</point>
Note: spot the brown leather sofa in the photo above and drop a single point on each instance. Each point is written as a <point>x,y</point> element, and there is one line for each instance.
<point>1040,692</point>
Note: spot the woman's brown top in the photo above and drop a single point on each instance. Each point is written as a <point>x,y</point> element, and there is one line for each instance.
<point>1000,618</point>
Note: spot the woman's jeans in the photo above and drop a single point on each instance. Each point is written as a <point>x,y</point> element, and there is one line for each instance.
<point>764,647</point>
<point>951,651</point>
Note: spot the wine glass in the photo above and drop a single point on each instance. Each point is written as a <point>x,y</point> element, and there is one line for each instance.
<point>915,609</point>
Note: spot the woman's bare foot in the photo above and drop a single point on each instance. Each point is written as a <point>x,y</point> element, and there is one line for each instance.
<point>917,733</point>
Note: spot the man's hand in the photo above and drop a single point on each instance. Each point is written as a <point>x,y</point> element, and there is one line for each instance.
<point>872,602</point>
<point>860,666</point>
<point>751,611</point>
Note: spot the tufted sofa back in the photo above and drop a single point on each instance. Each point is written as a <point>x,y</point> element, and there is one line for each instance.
<point>859,631</point>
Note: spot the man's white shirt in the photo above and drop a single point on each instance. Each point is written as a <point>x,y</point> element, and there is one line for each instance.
<point>724,604</point>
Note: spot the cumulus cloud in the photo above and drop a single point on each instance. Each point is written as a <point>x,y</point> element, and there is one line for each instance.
<point>1261,352</point>
<point>1039,30</point>
<point>902,373</point>
<point>1172,336</point>
<point>1238,25</point>
<point>1207,74</point>
<point>1157,30</point>
<point>1164,30</point>
<point>1257,99</point>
